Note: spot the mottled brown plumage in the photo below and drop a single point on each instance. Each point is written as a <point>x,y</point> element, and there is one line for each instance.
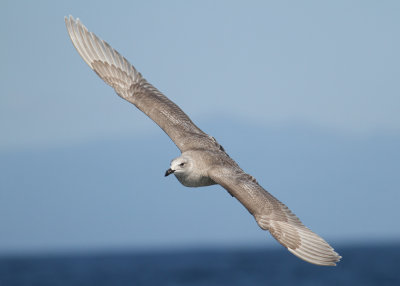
<point>203,161</point>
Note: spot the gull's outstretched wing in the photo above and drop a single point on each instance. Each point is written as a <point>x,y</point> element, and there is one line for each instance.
<point>129,84</point>
<point>274,216</point>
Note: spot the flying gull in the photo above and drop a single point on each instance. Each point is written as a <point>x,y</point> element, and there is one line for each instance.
<point>203,162</point>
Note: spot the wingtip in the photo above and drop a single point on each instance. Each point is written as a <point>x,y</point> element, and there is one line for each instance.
<point>338,259</point>
<point>71,19</point>
<point>334,263</point>
<point>331,260</point>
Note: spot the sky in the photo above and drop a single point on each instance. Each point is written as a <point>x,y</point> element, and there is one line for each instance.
<point>305,96</point>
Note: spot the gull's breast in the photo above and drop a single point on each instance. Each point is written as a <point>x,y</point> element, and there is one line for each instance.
<point>194,180</point>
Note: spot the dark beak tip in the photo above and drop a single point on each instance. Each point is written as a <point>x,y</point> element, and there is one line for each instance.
<point>168,172</point>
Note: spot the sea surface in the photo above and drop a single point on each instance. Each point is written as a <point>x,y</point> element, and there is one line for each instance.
<point>364,265</point>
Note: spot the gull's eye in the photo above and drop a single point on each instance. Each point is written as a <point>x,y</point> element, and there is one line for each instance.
<point>182,164</point>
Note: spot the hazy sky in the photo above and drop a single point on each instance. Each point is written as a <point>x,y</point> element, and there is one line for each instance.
<point>312,87</point>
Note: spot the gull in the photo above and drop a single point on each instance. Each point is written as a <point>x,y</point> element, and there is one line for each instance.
<point>203,161</point>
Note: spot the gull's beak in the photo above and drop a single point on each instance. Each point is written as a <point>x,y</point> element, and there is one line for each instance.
<point>169,172</point>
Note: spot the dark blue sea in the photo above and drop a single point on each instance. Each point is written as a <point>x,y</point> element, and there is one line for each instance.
<point>367,265</point>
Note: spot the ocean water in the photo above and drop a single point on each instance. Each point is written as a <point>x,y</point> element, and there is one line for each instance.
<point>367,265</point>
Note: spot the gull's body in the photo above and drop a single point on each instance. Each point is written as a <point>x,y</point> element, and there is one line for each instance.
<point>203,161</point>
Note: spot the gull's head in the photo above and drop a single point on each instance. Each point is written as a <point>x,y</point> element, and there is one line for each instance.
<point>179,166</point>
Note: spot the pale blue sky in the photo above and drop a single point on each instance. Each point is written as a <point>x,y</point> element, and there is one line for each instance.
<point>313,87</point>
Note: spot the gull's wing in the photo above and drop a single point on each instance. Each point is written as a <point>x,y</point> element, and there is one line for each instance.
<point>274,216</point>
<point>129,84</point>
